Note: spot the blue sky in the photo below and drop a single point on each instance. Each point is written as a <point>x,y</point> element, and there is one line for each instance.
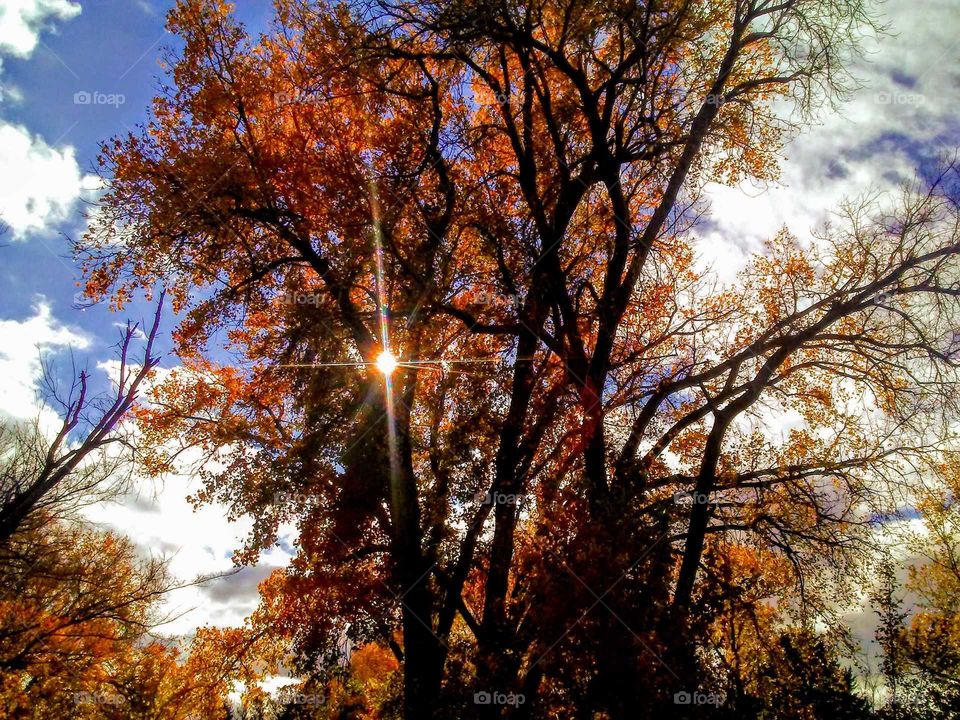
<point>906,114</point>
<point>109,50</point>
<point>51,53</point>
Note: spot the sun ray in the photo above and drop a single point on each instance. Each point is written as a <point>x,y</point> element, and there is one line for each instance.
<point>386,360</point>
<point>385,349</point>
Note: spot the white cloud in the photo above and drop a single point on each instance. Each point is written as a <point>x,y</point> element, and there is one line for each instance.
<point>904,114</point>
<point>41,184</point>
<point>138,334</point>
<point>11,93</point>
<point>198,541</point>
<point>21,22</point>
<point>21,344</point>
<point>159,518</point>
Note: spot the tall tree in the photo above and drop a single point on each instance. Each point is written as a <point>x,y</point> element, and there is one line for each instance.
<point>78,607</point>
<point>42,476</point>
<point>925,651</point>
<point>500,196</point>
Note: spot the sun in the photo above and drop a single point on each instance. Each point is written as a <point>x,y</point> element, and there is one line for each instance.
<point>386,362</point>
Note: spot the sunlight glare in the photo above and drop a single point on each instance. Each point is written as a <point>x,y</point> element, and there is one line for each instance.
<point>386,362</point>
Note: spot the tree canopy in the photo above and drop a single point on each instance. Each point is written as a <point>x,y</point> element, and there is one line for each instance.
<point>569,490</point>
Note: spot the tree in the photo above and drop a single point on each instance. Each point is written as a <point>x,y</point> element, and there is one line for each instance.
<point>41,476</point>
<point>890,615</point>
<point>501,196</point>
<point>76,616</point>
<point>925,652</point>
<point>78,605</point>
<point>800,677</point>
